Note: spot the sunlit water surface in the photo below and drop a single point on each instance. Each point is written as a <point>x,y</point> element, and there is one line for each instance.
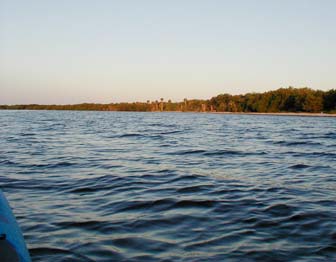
<point>108,186</point>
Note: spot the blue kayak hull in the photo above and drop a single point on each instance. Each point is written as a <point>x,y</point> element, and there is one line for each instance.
<point>12,244</point>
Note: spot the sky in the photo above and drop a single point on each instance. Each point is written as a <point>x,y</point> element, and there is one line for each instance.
<point>103,51</point>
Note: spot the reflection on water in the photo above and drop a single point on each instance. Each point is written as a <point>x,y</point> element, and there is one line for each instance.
<point>102,186</point>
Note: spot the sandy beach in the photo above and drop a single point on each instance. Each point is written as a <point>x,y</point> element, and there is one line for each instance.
<point>278,114</point>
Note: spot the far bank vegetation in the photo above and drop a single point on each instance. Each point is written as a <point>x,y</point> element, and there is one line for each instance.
<point>277,101</point>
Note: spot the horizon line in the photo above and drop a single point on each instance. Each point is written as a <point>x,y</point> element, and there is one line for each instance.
<point>167,100</point>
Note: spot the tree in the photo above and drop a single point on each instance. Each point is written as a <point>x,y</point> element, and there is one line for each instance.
<point>161,104</point>
<point>329,100</point>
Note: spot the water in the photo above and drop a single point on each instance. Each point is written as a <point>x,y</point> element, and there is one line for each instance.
<point>108,186</point>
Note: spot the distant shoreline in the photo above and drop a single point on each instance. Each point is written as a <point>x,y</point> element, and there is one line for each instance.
<point>281,102</point>
<point>303,114</point>
<point>277,114</point>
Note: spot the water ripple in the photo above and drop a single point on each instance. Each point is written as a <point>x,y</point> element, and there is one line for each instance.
<point>113,186</point>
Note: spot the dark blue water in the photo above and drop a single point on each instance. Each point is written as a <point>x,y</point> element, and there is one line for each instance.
<point>107,186</point>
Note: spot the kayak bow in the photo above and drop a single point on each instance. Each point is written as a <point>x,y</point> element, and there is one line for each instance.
<point>12,245</point>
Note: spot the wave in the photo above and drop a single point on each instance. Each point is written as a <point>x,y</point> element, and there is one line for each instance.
<point>130,135</point>
<point>194,189</point>
<point>58,254</point>
<point>299,166</point>
<point>297,143</point>
<point>187,152</point>
<point>111,186</point>
<point>280,210</point>
<point>220,152</point>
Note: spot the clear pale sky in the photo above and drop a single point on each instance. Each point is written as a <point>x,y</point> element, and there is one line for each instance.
<point>72,51</point>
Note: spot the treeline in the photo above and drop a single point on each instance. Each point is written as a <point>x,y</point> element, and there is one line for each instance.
<point>281,100</point>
